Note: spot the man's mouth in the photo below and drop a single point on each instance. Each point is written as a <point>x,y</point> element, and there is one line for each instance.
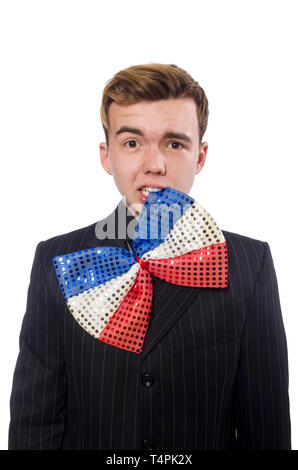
<point>148,189</point>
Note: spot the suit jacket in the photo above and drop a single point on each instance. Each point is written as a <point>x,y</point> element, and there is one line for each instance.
<point>213,372</point>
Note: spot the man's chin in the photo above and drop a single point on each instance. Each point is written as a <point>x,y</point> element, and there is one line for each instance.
<point>134,208</point>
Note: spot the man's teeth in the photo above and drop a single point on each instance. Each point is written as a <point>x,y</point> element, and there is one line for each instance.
<point>149,189</point>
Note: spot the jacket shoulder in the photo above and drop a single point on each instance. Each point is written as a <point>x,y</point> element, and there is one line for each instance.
<point>245,252</point>
<point>237,237</point>
<point>72,241</point>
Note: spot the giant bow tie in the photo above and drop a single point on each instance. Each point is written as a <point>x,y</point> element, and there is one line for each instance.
<point>109,290</point>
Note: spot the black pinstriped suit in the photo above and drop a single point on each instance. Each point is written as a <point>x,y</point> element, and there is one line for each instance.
<point>213,373</point>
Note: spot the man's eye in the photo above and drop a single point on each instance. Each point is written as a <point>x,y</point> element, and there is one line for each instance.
<point>129,142</point>
<point>177,143</point>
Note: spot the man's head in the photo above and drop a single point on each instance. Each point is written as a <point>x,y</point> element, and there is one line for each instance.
<point>154,117</point>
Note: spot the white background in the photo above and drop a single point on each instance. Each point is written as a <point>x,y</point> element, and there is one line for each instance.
<point>56,57</point>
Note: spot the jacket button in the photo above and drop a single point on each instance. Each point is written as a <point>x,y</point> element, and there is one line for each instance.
<point>147,380</point>
<point>148,444</point>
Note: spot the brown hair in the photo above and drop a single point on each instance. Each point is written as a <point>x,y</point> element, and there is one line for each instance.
<point>153,82</point>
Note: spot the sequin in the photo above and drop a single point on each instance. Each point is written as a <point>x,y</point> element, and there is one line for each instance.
<point>109,290</point>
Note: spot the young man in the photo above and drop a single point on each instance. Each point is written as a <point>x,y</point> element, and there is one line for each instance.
<point>209,367</point>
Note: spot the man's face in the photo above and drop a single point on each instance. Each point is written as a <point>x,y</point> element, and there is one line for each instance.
<point>153,144</point>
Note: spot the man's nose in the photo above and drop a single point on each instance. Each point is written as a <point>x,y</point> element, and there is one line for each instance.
<point>154,162</point>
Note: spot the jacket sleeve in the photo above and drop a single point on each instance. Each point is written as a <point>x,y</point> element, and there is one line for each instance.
<point>37,403</point>
<point>262,402</point>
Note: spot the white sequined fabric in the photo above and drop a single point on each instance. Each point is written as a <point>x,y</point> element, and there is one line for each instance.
<point>94,308</point>
<point>195,229</point>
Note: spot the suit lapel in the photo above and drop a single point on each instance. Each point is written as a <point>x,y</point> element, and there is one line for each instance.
<point>170,301</point>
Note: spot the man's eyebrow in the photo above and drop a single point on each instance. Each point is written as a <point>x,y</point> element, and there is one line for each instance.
<point>132,130</point>
<point>169,134</point>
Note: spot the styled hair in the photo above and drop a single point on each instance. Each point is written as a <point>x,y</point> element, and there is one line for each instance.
<point>153,82</point>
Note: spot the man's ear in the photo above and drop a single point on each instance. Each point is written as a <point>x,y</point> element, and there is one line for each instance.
<point>104,158</point>
<point>201,157</point>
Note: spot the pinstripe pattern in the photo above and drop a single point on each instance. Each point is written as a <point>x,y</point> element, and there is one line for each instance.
<point>217,360</point>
